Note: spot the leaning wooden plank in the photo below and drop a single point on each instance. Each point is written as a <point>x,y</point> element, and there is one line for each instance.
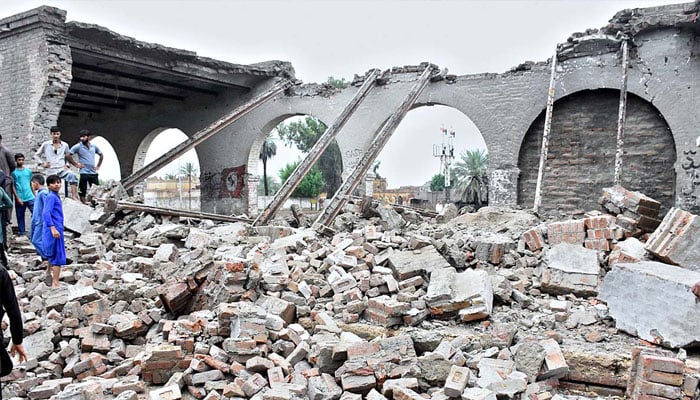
<point>130,181</point>
<point>315,153</point>
<point>340,198</point>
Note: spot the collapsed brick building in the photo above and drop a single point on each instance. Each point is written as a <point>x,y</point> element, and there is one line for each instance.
<point>383,302</point>
<point>76,75</point>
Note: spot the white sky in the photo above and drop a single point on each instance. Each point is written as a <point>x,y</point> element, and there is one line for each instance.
<point>343,38</point>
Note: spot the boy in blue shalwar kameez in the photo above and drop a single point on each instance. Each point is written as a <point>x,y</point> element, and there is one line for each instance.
<point>36,228</point>
<point>52,235</point>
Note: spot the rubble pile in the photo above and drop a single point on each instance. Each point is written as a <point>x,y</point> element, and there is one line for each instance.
<point>387,305</point>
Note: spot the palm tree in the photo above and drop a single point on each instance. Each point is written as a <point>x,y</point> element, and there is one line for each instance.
<point>269,150</point>
<point>471,175</point>
<point>190,170</point>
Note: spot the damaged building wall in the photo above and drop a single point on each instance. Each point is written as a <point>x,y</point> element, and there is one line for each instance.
<point>582,152</point>
<point>40,69</point>
<point>504,107</point>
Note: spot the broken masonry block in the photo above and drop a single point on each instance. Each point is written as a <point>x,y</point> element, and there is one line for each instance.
<point>457,381</point>
<point>675,241</point>
<point>654,301</point>
<point>533,239</point>
<point>407,264</point>
<point>554,363</point>
<point>571,231</point>
<point>569,268</point>
<point>469,290</point>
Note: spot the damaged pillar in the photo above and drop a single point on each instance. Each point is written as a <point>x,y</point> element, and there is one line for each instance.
<point>503,187</point>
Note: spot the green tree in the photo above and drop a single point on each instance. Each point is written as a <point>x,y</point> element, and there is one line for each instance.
<point>170,176</point>
<point>190,170</point>
<point>268,150</point>
<point>471,177</point>
<point>337,83</point>
<point>270,182</point>
<point>310,186</point>
<point>437,183</point>
<point>304,134</point>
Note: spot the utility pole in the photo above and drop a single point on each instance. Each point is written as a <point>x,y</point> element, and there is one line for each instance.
<point>446,152</point>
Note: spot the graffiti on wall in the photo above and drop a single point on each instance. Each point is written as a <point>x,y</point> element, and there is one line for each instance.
<point>690,188</point>
<point>232,182</point>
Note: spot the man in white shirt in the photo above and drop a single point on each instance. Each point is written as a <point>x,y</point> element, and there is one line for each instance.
<point>54,156</point>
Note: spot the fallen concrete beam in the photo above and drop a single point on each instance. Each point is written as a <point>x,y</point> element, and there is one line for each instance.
<point>204,134</point>
<point>654,301</point>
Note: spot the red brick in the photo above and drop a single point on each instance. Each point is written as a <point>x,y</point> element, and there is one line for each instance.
<point>651,362</point>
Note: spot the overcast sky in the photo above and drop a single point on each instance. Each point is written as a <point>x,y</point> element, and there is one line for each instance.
<point>343,38</point>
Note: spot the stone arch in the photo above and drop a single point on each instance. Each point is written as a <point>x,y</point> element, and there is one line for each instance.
<point>144,148</point>
<point>253,156</point>
<point>427,119</point>
<point>111,167</point>
<point>140,157</point>
<point>581,152</point>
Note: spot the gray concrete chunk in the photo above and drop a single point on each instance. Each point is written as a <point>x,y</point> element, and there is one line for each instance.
<point>571,268</point>
<point>654,301</point>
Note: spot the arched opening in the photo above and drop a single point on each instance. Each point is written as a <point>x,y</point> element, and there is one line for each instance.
<point>110,170</point>
<point>581,155</point>
<point>275,154</point>
<point>411,165</point>
<point>177,184</point>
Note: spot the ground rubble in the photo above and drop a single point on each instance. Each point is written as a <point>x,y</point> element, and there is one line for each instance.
<point>388,304</point>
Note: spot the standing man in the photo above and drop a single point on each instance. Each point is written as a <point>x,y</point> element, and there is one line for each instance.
<point>86,162</point>
<point>54,156</point>
<point>23,194</point>
<point>52,234</point>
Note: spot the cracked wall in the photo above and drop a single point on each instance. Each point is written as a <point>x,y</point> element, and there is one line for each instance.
<point>506,108</point>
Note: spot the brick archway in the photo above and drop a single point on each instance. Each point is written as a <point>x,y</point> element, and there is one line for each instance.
<point>582,147</point>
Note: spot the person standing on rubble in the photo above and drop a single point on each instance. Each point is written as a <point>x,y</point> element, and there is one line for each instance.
<point>23,194</point>
<point>54,156</point>
<point>36,228</point>
<point>53,243</point>
<point>86,152</point>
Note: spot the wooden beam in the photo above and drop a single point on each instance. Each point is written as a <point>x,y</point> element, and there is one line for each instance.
<point>98,95</point>
<point>621,116</point>
<point>142,78</point>
<point>129,206</point>
<point>545,134</point>
<point>328,214</point>
<point>122,88</point>
<point>130,181</point>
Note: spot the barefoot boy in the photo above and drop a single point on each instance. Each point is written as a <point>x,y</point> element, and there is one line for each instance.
<point>36,227</point>
<point>52,236</point>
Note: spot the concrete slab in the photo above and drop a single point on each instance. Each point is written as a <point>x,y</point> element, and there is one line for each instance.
<point>76,216</point>
<point>570,268</point>
<point>654,301</point>
<point>407,264</point>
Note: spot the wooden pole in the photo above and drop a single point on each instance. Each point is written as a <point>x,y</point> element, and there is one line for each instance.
<point>621,115</point>
<point>545,134</point>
